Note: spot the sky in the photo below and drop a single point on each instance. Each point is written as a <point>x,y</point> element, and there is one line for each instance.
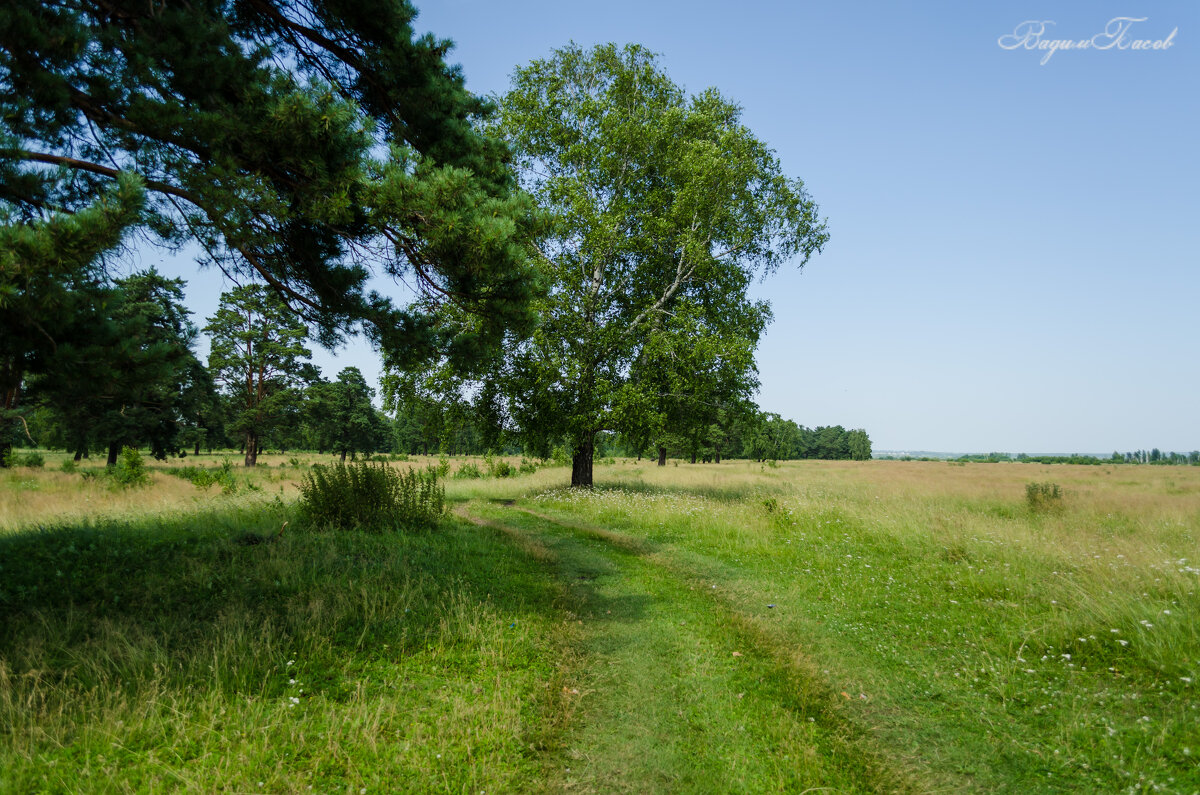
<point>1013,237</point>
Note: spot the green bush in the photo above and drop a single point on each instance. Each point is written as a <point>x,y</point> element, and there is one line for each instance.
<point>502,469</point>
<point>528,467</point>
<point>443,466</point>
<point>1043,496</point>
<point>468,470</point>
<point>69,466</point>
<point>32,459</point>
<point>370,496</point>
<point>130,470</point>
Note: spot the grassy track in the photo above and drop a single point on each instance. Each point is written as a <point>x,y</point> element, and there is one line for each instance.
<point>678,693</point>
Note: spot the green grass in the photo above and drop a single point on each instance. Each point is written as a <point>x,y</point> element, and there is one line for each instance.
<point>873,627</point>
<point>988,663</point>
<point>150,656</point>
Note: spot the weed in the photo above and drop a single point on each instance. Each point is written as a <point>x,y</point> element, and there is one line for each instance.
<point>1043,496</point>
<point>32,459</point>
<point>130,470</point>
<point>468,470</point>
<point>370,496</point>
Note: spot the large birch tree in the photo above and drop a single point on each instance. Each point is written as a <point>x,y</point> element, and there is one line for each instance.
<point>662,202</point>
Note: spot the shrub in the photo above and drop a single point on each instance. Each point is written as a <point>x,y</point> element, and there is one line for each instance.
<point>468,470</point>
<point>203,478</point>
<point>130,470</point>
<point>528,467</point>
<point>69,466</point>
<point>443,466</point>
<point>370,496</point>
<point>502,469</point>
<point>32,459</point>
<point>1043,496</point>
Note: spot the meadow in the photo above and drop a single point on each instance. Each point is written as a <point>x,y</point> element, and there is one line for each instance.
<point>877,626</point>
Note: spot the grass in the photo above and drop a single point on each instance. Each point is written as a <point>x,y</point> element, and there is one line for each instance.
<point>156,655</point>
<point>898,626</point>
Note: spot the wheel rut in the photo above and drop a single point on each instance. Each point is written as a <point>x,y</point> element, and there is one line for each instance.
<point>677,690</point>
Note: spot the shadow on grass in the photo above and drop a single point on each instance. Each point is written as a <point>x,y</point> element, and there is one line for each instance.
<point>124,602</point>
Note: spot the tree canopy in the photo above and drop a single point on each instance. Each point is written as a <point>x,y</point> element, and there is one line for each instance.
<point>304,144</point>
<point>665,208</point>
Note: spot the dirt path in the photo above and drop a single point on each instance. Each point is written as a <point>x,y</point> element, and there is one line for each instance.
<point>677,690</point>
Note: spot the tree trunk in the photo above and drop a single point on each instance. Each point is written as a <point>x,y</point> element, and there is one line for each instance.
<point>693,456</point>
<point>251,448</point>
<point>78,454</point>
<point>581,462</point>
<point>113,449</point>
<point>718,456</point>
<point>343,456</point>
<point>662,456</point>
<point>197,450</point>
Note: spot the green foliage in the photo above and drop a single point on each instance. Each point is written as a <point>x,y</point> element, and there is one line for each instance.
<point>259,355</point>
<point>1043,496</point>
<point>205,477</point>
<point>130,470</point>
<point>665,209</point>
<point>468,471</point>
<point>341,417</point>
<point>53,286</point>
<point>502,469</point>
<point>527,467</point>
<point>69,466</point>
<point>369,496</point>
<point>31,459</point>
<point>287,140</point>
<point>443,466</point>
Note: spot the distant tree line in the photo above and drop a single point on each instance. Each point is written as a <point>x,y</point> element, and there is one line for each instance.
<point>1154,456</point>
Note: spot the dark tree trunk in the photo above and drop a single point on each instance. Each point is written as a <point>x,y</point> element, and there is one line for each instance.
<point>662,456</point>
<point>197,450</point>
<point>251,448</point>
<point>693,456</point>
<point>113,449</point>
<point>581,462</point>
<point>343,456</point>
<point>78,454</point>
<point>718,455</point>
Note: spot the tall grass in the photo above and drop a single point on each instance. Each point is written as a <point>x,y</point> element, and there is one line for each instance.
<point>153,655</point>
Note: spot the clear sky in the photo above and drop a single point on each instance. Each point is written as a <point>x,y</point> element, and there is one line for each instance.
<point>1013,251</point>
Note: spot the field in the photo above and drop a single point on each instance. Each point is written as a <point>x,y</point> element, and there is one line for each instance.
<point>876,626</point>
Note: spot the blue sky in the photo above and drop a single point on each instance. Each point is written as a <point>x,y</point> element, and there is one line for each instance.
<point>1013,244</point>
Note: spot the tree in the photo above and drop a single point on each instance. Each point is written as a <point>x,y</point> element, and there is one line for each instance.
<point>300,144</point>
<point>691,372</point>
<point>124,384</point>
<point>859,445</point>
<point>53,289</point>
<point>258,355</point>
<point>659,201</point>
<point>341,415</point>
